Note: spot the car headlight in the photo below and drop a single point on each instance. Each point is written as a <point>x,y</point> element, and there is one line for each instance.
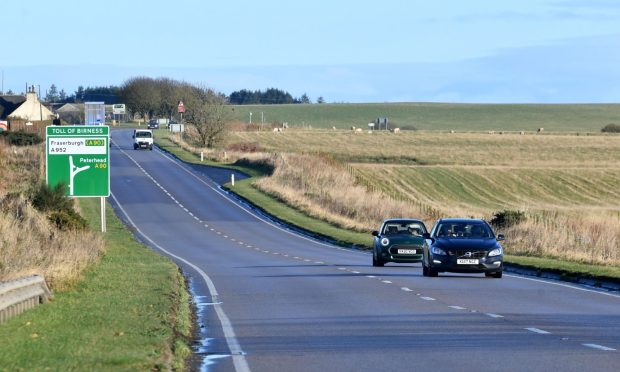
<point>495,252</point>
<point>436,250</point>
<point>385,242</point>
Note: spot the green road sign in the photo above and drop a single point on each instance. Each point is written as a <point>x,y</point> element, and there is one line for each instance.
<point>79,157</point>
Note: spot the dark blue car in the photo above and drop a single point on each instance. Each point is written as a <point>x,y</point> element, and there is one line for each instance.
<point>462,246</point>
<point>398,240</point>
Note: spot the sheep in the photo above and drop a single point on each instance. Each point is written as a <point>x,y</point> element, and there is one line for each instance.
<point>540,130</point>
<point>491,132</point>
<point>358,130</point>
<point>396,130</point>
<point>277,130</point>
<point>522,133</point>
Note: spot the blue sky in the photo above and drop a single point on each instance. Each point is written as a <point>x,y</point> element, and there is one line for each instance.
<point>539,51</point>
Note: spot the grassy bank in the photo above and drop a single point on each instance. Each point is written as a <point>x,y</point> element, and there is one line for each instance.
<point>129,312</point>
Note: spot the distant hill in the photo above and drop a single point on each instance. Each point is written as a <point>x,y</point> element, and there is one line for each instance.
<point>439,116</point>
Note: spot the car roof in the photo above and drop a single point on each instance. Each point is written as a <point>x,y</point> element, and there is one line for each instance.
<point>460,220</point>
<point>401,220</point>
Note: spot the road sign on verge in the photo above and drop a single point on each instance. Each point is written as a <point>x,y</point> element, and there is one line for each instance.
<point>79,156</point>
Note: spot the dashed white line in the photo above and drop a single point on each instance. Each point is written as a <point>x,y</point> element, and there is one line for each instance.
<point>539,331</point>
<point>599,347</point>
<point>427,298</point>
<point>371,276</point>
<point>342,268</point>
<point>457,307</point>
<point>355,272</point>
<point>493,315</point>
<point>406,289</point>
<point>386,282</point>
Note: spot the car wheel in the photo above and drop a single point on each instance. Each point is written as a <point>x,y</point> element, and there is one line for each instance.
<point>377,262</point>
<point>424,270</point>
<point>433,273</point>
<point>135,147</point>
<point>497,275</point>
<point>151,147</point>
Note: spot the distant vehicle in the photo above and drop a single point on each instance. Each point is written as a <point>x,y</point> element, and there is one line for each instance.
<point>153,124</point>
<point>398,240</point>
<point>172,122</point>
<point>463,246</point>
<point>142,139</point>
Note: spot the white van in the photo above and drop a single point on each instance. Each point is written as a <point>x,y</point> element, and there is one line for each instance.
<point>142,139</point>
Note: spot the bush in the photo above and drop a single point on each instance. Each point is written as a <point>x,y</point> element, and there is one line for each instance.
<point>245,147</point>
<point>611,128</point>
<point>21,138</point>
<point>507,218</point>
<point>68,220</point>
<point>46,199</point>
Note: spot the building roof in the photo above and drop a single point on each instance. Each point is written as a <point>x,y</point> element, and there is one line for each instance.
<point>8,104</point>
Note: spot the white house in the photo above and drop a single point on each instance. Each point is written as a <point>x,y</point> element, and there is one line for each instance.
<point>32,109</point>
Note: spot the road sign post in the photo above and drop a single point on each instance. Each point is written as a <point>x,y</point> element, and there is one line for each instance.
<point>79,157</point>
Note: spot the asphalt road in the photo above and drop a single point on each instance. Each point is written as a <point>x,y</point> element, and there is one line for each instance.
<point>270,300</point>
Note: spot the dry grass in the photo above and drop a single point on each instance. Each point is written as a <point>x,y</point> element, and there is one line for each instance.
<point>325,189</point>
<point>29,244</point>
<point>586,238</point>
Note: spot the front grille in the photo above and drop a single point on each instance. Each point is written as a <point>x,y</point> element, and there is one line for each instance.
<point>462,253</point>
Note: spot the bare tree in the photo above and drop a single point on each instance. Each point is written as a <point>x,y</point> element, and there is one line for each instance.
<point>209,117</point>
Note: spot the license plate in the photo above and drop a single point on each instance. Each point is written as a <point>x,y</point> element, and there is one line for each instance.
<point>466,261</point>
<point>407,251</point>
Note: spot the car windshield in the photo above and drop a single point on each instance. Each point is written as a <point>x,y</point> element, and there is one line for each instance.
<point>143,134</point>
<point>464,230</point>
<point>404,228</point>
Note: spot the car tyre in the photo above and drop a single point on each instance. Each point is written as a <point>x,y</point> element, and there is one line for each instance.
<point>135,147</point>
<point>377,262</point>
<point>424,270</point>
<point>497,275</point>
<point>433,273</point>
<point>151,147</point>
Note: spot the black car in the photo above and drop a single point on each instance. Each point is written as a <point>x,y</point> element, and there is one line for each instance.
<point>463,246</point>
<point>153,124</point>
<point>398,240</point>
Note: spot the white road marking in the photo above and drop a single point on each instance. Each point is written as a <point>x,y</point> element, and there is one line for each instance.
<point>599,347</point>
<point>238,356</point>
<point>493,315</point>
<point>564,285</point>
<point>406,289</point>
<point>355,272</point>
<point>428,298</point>
<point>371,276</point>
<point>539,331</point>
<point>386,282</point>
<point>342,268</point>
<point>458,307</point>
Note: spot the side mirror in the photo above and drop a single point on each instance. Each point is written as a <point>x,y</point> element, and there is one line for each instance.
<point>500,237</point>
<point>375,233</point>
<point>426,235</point>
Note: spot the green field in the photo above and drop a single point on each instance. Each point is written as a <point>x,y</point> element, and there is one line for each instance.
<point>438,116</point>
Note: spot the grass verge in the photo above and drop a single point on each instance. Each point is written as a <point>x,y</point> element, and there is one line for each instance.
<point>344,237</point>
<point>131,311</point>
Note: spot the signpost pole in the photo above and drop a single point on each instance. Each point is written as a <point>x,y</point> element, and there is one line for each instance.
<point>103,221</point>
